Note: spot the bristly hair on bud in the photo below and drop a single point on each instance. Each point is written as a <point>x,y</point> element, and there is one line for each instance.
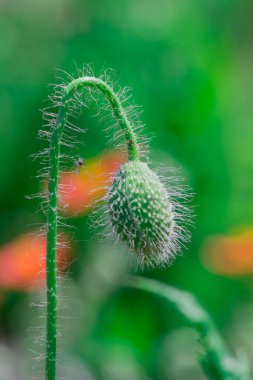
<point>147,213</point>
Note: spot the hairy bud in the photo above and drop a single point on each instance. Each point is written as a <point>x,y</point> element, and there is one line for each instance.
<point>142,213</point>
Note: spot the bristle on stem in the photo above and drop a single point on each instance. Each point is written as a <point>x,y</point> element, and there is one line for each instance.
<point>58,124</point>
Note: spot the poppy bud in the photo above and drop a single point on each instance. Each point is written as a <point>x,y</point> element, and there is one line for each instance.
<point>142,213</point>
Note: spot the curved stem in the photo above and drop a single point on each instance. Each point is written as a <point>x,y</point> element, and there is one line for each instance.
<point>133,153</point>
<point>216,362</point>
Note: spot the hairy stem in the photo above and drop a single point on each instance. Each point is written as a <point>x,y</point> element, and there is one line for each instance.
<point>133,153</point>
<point>216,362</point>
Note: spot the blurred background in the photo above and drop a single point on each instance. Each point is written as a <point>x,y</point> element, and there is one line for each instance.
<point>189,65</point>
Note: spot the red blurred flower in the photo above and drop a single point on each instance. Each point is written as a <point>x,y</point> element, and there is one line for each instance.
<point>79,189</point>
<point>23,264</point>
<point>230,255</point>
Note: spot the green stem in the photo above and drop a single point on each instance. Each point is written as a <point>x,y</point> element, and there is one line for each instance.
<point>133,153</point>
<point>216,362</point>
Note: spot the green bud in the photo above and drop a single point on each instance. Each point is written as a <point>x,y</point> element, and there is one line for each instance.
<point>142,213</point>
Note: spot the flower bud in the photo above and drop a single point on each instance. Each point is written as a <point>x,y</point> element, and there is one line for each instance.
<point>142,213</point>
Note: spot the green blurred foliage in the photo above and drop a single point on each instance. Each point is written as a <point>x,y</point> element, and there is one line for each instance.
<point>189,64</point>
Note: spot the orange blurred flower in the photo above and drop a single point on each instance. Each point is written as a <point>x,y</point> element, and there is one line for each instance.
<point>23,264</point>
<point>79,189</point>
<point>229,255</point>
<point>22,261</point>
